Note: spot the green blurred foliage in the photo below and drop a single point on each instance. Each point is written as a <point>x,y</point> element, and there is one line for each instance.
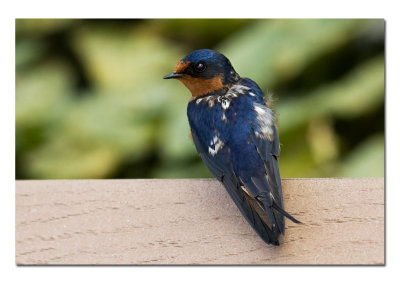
<point>91,102</point>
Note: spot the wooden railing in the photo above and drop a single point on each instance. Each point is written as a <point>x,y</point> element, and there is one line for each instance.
<point>193,221</point>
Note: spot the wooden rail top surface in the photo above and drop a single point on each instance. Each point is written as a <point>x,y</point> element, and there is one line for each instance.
<point>194,221</point>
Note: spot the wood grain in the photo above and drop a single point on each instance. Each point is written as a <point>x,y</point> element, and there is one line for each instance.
<point>193,221</point>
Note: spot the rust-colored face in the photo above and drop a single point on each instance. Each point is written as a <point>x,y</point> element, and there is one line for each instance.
<point>181,66</point>
<point>197,86</point>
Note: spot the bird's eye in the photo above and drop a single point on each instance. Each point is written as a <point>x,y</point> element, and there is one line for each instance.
<point>200,67</point>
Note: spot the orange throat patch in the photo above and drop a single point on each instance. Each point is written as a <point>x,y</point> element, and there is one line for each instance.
<point>198,86</point>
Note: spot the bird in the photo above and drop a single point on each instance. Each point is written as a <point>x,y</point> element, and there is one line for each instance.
<point>235,133</point>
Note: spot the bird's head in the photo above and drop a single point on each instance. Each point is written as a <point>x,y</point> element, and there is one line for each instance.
<point>204,71</point>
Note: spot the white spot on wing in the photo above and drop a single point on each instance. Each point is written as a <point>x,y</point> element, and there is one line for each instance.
<point>224,117</point>
<point>265,119</point>
<point>272,196</point>
<point>246,191</point>
<point>237,89</point>
<point>225,104</point>
<point>215,145</point>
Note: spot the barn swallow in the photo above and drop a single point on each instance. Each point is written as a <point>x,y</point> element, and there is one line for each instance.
<point>235,133</point>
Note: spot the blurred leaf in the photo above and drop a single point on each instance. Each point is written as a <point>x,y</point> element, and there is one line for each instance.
<point>67,159</point>
<point>40,89</point>
<point>172,169</point>
<point>198,33</point>
<point>41,26</point>
<point>27,51</point>
<point>123,59</point>
<point>367,160</point>
<point>295,158</point>
<point>41,98</point>
<point>96,128</point>
<point>174,132</point>
<point>323,141</point>
<point>357,93</point>
<point>269,51</point>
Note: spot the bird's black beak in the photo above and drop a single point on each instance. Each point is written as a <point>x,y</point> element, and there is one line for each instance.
<point>173,76</point>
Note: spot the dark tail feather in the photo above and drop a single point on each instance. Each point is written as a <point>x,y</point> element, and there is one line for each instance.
<point>252,211</point>
<point>287,215</point>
